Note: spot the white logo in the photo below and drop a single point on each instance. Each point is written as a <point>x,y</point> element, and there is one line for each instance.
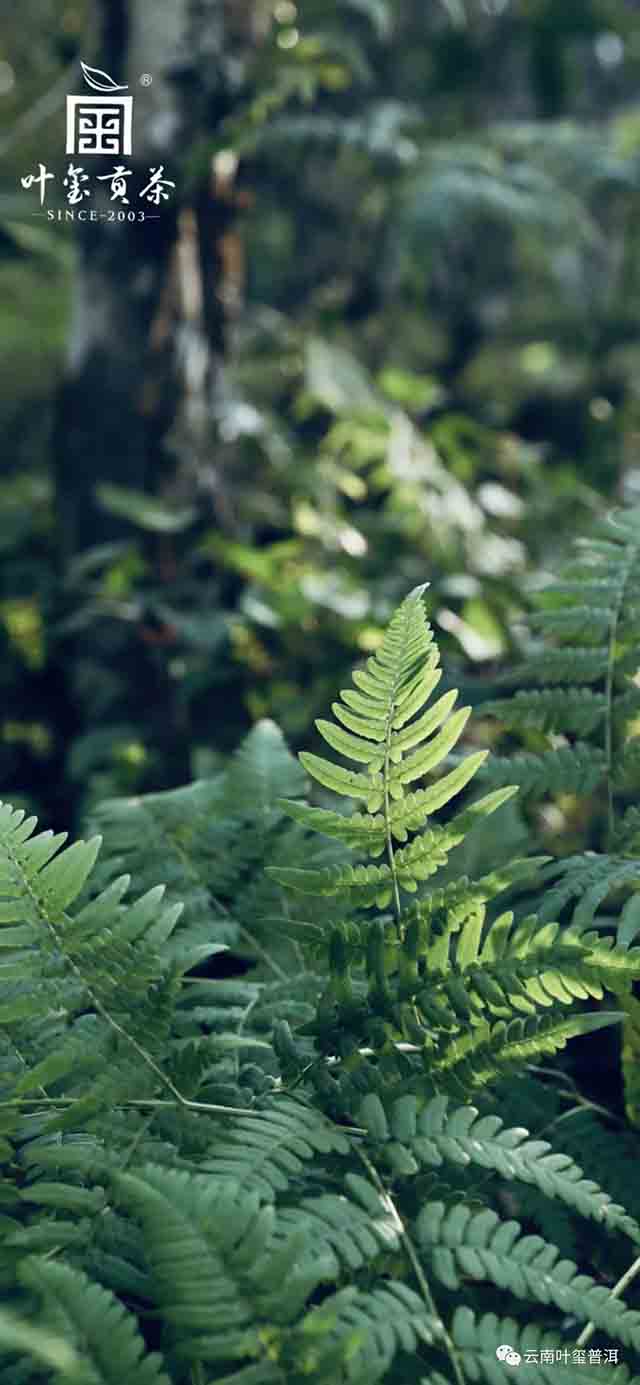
<point>100,124</point>
<point>508,1355</point>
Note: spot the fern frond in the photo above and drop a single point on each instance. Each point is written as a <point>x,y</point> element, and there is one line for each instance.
<point>218,1259</point>
<point>574,769</point>
<point>214,1268</point>
<point>19,1334</point>
<point>579,710</point>
<point>477,1339</point>
<point>170,837</point>
<point>392,688</point>
<point>479,1056</point>
<point>363,1332</point>
<point>107,1336</point>
<point>267,1151</point>
<point>367,833</point>
<point>335,1225</point>
<point>460,1135</point>
<point>569,666</point>
<point>261,772</point>
<point>482,1247</point>
<point>589,879</point>
<point>106,959</point>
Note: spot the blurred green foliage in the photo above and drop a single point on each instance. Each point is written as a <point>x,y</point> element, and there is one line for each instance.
<point>430,373</point>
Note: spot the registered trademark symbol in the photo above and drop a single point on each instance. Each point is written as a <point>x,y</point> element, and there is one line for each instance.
<point>146,79</point>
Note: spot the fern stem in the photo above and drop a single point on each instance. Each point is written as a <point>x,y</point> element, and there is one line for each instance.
<point>262,952</point>
<point>151,1103</point>
<point>253,942</point>
<point>142,1103</point>
<point>618,1289</point>
<point>582,1104</point>
<point>387,825</point>
<point>414,1260</point>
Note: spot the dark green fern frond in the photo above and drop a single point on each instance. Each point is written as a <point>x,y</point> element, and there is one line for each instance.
<point>574,769</point>
<point>443,1133</point>
<point>216,1272</point>
<point>355,1336</point>
<point>168,836</point>
<point>575,710</point>
<point>109,1345</point>
<point>96,986</point>
<point>543,1353</point>
<point>211,841</point>
<point>570,666</point>
<point>48,1348</point>
<point>589,620</point>
<point>589,879</point>
<point>461,1246</point>
<point>218,1261</point>
<point>264,1153</point>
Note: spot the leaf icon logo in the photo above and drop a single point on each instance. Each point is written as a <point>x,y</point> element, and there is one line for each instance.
<point>98,80</point>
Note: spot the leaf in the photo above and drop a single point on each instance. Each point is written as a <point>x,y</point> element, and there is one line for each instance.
<point>352,747</point>
<point>146,511</point>
<point>62,880</point>
<point>629,925</point>
<point>337,380</point>
<point>20,1334</point>
<point>342,781</point>
<point>434,752</point>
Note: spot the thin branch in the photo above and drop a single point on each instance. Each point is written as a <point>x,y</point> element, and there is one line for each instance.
<point>618,1289</point>
<point>153,1103</point>
<point>414,1260</point>
<point>253,942</point>
<point>143,1103</point>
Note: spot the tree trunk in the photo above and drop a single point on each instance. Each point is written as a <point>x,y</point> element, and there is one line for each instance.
<point>147,332</point>
<point>137,407</point>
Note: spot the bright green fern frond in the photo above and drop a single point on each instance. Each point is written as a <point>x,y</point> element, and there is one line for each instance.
<point>631,1057</point>
<point>108,957</point>
<point>393,687</point>
<point>37,880</point>
<point>367,833</point>
<point>481,1054</point>
<point>385,728</point>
